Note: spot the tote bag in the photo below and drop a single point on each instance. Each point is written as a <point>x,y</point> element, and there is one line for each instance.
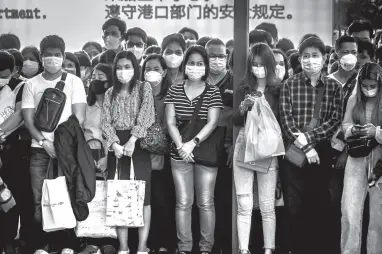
<point>8,104</point>
<point>125,199</point>
<point>57,212</point>
<point>95,225</point>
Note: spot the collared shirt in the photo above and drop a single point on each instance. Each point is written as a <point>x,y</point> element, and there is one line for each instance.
<point>297,98</point>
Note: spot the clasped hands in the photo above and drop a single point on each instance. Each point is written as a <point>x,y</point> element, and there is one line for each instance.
<point>300,142</point>
<point>126,149</point>
<point>185,151</point>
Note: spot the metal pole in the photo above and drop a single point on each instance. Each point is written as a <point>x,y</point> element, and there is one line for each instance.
<point>241,29</point>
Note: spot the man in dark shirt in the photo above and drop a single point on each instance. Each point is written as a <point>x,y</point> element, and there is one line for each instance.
<point>305,189</point>
<point>14,153</point>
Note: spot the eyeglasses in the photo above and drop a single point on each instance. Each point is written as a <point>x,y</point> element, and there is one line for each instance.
<point>217,56</point>
<point>130,44</point>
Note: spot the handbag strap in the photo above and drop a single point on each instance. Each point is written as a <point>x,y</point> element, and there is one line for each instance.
<point>61,84</point>
<point>52,171</point>
<point>317,106</point>
<point>197,108</point>
<point>118,169</point>
<point>96,139</point>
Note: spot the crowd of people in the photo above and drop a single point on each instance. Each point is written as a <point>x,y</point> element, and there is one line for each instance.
<point>324,100</point>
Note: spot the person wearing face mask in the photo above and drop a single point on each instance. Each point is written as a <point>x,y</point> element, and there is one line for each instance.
<point>14,158</point>
<point>32,65</point>
<point>190,36</point>
<point>136,40</point>
<point>155,72</point>
<point>282,66</point>
<point>71,64</point>
<point>173,47</point>
<point>85,68</point>
<point>127,112</point>
<point>222,78</point>
<point>363,119</point>
<point>188,176</point>
<point>52,50</point>
<point>113,31</point>
<point>261,77</point>
<point>298,96</point>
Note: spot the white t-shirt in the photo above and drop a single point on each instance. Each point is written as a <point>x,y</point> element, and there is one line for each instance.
<point>35,87</point>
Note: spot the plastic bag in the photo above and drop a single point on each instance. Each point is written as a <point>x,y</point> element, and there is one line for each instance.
<point>262,132</point>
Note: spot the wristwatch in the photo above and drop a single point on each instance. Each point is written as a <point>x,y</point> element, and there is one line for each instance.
<point>41,142</point>
<point>196,141</point>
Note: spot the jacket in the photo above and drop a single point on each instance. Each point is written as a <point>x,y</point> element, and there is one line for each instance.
<point>76,162</point>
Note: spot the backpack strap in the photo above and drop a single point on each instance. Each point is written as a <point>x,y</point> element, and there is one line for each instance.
<point>61,84</point>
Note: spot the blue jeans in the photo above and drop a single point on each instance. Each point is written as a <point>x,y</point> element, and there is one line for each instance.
<point>188,177</point>
<point>353,198</point>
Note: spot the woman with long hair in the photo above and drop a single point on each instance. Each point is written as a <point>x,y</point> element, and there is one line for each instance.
<point>173,47</point>
<point>282,66</point>
<point>154,71</point>
<point>363,119</point>
<point>71,64</point>
<point>32,65</point>
<point>128,111</point>
<point>261,77</point>
<point>190,177</point>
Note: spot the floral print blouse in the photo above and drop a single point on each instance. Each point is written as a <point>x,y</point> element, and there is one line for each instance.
<point>133,112</point>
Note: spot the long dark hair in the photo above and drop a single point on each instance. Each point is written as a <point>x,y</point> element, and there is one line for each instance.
<point>107,69</point>
<point>72,57</point>
<point>286,65</point>
<point>201,51</point>
<point>370,71</point>
<point>117,85</point>
<point>36,53</point>
<point>166,82</point>
<point>266,54</point>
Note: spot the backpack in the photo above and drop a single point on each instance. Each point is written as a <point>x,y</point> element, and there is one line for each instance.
<point>50,108</point>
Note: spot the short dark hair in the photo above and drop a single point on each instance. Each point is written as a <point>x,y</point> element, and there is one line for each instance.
<point>18,58</point>
<point>306,36</point>
<point>83,58</point>
<point>7,61</point>
<point>9,41</point>
<point>215,41</point>
<point>166,82</point>
<point>229,43</point>
<point>137,32</point>
<point>285,44</point>
<point>94,44</point>
<point>328,49</point>
<point>368,46</point>
<point>199,50</point>
<point>290,52</point>
<point>151,41</point>
<point>190,30</point>
<point>115,22</point>
<point>177,37</point>
<point>52,41</point>
<point>258,35</point>
<point>203,41</point>
<point>70,56</point>
<point>96,60</point>
<point>312,42</point>
<point>108,56</point>
<point>361,25</point>
<point>378,54</point>
<point>270,28</point>
<point>344,39</point>
<point>293,60</point>
<point>152,50</point>
<point>134,81</point>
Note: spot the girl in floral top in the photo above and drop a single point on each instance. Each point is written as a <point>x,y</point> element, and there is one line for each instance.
<point>128,111</point>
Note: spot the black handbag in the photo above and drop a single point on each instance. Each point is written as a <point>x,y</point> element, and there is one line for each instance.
<point>50,108</point>
<point>295,155</point>
<point>208,152</point>
<point>358,147</point>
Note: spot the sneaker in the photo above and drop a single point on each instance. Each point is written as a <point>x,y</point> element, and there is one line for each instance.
<point>183,252</point>
<point>244,252</point>
<point>205,252</point>
<point>40,251</point>
<point>123,252</point>
<point>162,251</point>
<point>108,249</point>
<point>144,252</point>
<point>67,251</point>
<point>90,249</point>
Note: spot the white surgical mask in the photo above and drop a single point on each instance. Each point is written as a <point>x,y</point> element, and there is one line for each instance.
<point>312,66</point>
<point>280,72</point>
<point>4,81</point>
<point>348,62</point>
<point>217,65</point>
<point>195,73</point>
<point>30,68</point>
<point>112,42</point>
<point>173,61</point>
<point>259,72</point>
<point>124,76</point>
<point>370,93</point>
<point>52,64</point>
<point>83,73</point>
<point>153,77</point>
<point>138,52</point>
<point>290,72</point>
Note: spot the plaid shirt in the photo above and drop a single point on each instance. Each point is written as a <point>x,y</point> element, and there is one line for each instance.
<point>297,98</point>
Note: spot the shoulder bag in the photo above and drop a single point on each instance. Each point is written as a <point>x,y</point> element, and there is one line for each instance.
<point>295,155</point>
<point>358,147</point>
<point>50,108</point>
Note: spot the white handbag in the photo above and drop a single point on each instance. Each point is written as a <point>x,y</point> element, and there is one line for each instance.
<point>95,225</point>
<point>57,212</point>
<point>125,199</point>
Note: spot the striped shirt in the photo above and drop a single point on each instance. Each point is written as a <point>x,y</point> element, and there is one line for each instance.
<point>184,108</point>
<point>297,98</point>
